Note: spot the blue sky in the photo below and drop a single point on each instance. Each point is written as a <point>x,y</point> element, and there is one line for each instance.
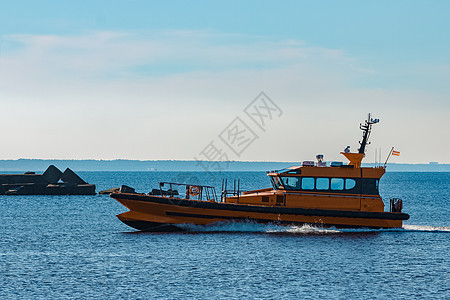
<point>77,75</point>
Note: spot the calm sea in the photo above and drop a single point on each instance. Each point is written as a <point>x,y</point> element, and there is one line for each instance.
<point>57,247</point>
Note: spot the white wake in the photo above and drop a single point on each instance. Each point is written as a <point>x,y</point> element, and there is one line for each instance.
<point>426,228</point>
<point>292,229</point>
<point>258,227</point>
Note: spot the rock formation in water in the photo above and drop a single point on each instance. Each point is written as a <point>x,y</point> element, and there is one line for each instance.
<point>51,182</point>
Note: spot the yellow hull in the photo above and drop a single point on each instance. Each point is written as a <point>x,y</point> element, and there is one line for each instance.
<point>154,213</point>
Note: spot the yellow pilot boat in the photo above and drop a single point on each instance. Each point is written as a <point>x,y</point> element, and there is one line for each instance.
<point>335,195</point>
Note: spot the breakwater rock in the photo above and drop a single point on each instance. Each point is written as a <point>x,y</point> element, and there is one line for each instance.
<point>51,182</point>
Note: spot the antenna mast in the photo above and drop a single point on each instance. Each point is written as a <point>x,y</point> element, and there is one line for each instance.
<point>366,128</point>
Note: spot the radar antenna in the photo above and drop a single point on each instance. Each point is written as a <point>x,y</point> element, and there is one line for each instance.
<point>366,128</point>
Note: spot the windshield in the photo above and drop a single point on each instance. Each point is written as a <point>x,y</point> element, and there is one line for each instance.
<point>276,182</point>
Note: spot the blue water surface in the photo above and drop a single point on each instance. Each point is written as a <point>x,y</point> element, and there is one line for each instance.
<point>74,247</point>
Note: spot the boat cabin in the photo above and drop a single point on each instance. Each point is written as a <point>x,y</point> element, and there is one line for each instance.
<point>335,180</point>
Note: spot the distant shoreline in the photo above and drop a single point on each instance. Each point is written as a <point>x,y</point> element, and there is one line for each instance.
<point>183,165</point>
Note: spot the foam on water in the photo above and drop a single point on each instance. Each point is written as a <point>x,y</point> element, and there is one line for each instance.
<point>255,227</point>
<point>425,228</point>
<point>293,229</point>
<point>268,228</point>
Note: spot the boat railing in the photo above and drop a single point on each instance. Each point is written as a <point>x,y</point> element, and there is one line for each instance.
<point>236,191</point>
<point>185,191</point>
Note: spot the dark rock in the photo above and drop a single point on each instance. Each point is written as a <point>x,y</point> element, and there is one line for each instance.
<point>69,176</point>
<point>15,191</point>
<point>70,189</point>
<point>26,189</point>
<point>45,184</point>
<point>22,178</point>
<point>52,174</point>
<point>83,189</point>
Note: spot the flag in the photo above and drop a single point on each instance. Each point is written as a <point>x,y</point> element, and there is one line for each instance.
<point>396,153</point>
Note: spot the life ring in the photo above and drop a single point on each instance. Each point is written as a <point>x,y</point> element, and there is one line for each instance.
<point>194,190</point>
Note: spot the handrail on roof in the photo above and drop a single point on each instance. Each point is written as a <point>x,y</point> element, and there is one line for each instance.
<point>205,190</point>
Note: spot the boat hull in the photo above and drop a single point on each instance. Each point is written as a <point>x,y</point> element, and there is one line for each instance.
<point>155,213</point>
<point>149,226</point>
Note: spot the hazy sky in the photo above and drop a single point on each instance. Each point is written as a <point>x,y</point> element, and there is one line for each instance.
<point>176,79</point>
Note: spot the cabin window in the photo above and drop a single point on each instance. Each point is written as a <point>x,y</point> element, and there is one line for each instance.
<point>349,184</point>
<point>265,199</point>
<point>307,183</point>
<point>323,183</point>
<point>337,184</point>
<point>291,183</point>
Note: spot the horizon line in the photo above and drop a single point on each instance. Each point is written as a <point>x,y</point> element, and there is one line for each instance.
<point>193,160</point>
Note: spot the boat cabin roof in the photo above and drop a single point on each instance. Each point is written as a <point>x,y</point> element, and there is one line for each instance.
<point>328,171</point>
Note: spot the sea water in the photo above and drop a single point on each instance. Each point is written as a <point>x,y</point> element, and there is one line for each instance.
<point>74,247</point>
